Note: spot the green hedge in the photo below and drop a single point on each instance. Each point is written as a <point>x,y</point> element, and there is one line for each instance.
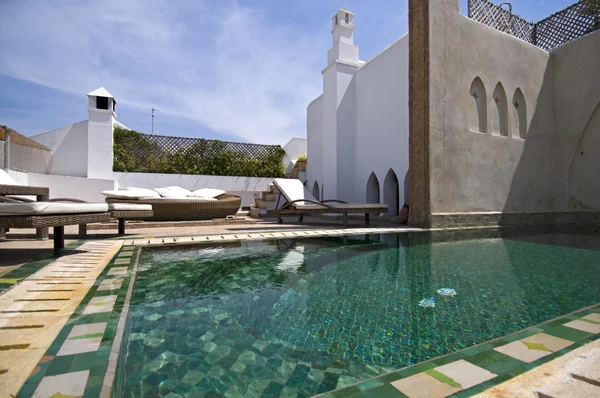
<point>134,152</point>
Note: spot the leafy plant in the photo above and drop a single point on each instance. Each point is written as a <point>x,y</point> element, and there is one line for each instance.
<point>301,159</point>
<point>592,8</point>
<point>134,152</point>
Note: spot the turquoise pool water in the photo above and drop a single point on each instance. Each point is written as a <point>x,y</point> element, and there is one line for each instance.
<point>301,317</point>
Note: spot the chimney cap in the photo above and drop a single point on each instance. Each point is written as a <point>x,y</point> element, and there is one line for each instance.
<point>100,92</point>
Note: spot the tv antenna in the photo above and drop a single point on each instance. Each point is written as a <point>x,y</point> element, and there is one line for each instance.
<point>153,110</point>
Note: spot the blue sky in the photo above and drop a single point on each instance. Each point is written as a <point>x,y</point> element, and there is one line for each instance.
<point>233,70</point>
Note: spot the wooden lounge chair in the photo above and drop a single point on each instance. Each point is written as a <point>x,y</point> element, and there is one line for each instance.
<point>299,202</point>
<point>51,214</point>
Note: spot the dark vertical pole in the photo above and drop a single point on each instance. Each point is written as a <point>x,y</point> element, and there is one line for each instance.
<point>59,238</point>
<point>121,226</point>
<point>82,231</point>
<point>418,139</point>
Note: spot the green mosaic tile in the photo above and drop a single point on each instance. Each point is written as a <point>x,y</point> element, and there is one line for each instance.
<point>414,370</point>
<point>348,391</point>
<point>450,358</point>
<point>504,366</point>
<point>566,333</point>
<point>390,377</point>
<point>482,359</point>
<point>367,385</point>
<point>385,391</point>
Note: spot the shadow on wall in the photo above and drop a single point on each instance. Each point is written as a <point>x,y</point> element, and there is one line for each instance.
<point>583,180</point>
<point>558,168</point>
<point>534,182</point>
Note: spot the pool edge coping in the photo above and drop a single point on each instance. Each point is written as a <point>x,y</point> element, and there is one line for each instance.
<point>110,378</point>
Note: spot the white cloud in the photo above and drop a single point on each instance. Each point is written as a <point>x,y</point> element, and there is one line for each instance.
<point>228,67</point>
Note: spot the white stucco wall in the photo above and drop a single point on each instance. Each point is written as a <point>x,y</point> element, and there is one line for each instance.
<point>381,119</point>
<point>87,189</point>
<point>295,148</point>
<point>360,125</point>
<point>246,187</point>
<point>100,143</point>
<point>69,145</point>
<point>314,144</point>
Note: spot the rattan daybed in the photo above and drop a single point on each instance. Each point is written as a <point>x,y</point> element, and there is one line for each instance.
<point>187,209</point>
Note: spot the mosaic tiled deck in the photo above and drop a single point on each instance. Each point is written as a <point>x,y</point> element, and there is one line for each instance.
<point>306,314</point>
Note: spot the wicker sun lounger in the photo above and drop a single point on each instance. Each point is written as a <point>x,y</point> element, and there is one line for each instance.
<point>186,209</point>
<point>300,202</point>
<point>41,194</point>
<point>119,211</point>
<point>66,214</point>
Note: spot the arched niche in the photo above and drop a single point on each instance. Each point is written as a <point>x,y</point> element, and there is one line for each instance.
<point>372,189</point>
<point>477,107</point>
<point>499,120</point>
<point>391,193</point>
<point>519,115</point>
<point>316,191</point>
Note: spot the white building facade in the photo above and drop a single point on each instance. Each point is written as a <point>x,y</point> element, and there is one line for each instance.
<point>357,130</point>
<point>81,161</point>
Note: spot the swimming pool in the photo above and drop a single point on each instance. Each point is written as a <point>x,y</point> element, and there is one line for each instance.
<point>305,316</point>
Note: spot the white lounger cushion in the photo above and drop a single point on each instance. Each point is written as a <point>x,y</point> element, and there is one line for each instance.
<point>188,198</point>
<point>149,193</point>
<point>206,193</point>
<point>128,207</point>
<point>138,193</point>
<point>47,208</point>
<point>173,192</point>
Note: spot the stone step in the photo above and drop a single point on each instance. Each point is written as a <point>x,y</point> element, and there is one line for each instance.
<point>269,197</point>
<point>254,212</point>
<point>261,204</point>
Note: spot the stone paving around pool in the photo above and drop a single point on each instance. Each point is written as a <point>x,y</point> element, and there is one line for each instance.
<point>62,328</point>
<point>39,303</point>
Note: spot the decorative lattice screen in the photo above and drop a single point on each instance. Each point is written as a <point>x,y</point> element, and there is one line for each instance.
<point>502,19</point>
<point>571,23</point>
<point>144,153</point>
<point>201,147</point>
